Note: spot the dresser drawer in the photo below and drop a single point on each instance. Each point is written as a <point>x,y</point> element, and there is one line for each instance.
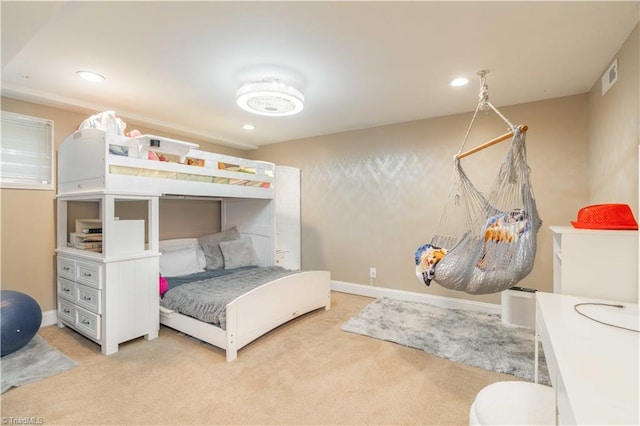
<point>66,289</point>
<point>88,323</point>
<point>67,268</point>
<point>66,311</point>
<point>89,298</point>
<point>89,274</point>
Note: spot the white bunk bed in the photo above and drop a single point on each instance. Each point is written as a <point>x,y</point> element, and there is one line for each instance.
<point>256,312</point>
<point>91,161</point>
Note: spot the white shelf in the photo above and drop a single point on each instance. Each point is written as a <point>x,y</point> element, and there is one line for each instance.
<point>165,145</point>
<point>595,263</point>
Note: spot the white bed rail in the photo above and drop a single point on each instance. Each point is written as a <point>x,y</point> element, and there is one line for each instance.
<point>91,160</point>
<point>259,311</point>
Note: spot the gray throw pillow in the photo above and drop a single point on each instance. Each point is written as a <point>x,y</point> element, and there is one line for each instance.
<point>238,253</point>
<point>211,246</point>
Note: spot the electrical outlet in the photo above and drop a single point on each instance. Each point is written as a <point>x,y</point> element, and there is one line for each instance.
<point>372,272</point>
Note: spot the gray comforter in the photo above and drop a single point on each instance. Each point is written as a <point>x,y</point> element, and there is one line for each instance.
<point>206,299</point>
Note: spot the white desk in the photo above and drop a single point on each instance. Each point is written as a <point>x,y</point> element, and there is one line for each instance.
<point>593,367</point>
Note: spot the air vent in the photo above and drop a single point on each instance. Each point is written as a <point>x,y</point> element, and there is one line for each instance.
<point>610,76</point>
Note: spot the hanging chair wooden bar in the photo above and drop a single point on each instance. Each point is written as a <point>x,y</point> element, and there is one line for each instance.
<point>492,142</point>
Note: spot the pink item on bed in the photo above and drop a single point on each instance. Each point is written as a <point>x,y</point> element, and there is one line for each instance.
<point>164,285</point>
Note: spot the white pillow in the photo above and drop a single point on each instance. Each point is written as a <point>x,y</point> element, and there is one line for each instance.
<point>177,261</point>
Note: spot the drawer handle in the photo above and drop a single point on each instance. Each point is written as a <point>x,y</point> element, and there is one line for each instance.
<point>87,298</point>
<point>66,311</point>
<point>85,322</point>
<point>65,268</point>
<point>87,274</point>
<point>66,290</point>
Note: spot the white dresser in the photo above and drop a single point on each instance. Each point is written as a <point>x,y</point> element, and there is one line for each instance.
<point>601,264</point>
<point>108,293</point>
<point>80,285</point>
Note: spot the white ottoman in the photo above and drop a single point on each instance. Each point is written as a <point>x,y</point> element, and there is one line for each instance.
<point>514,403</point>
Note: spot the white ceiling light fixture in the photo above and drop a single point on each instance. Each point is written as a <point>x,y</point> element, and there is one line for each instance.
<point>90,76</point>
<point>460,81</point>
<point>270,97</point>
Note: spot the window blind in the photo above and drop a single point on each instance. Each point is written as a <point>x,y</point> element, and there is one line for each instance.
<point>26,152</point>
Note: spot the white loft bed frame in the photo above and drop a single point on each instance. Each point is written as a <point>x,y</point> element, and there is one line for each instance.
<point>86,165</point>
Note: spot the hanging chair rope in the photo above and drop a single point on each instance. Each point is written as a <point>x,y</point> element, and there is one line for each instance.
<point>485,105</point>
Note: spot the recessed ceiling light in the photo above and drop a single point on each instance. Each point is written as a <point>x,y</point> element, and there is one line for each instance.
<point>460,81</point>
<point>270,97</point>
<point>248,127</point>
<point>90,76</point>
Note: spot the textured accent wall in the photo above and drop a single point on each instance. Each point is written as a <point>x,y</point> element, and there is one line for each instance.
<point>370,197</point>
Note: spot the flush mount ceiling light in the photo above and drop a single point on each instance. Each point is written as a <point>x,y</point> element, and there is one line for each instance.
<point>90,76</point>
<point>270,97</point>
<point>460,81</point>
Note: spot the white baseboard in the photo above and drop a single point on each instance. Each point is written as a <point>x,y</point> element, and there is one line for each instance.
<point>49,318</point>
<point>445,302</point>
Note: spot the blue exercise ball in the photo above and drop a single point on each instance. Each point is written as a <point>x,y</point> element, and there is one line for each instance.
<point>20,319</point>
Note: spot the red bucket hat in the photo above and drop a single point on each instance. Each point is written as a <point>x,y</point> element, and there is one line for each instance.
<point>606,216</point>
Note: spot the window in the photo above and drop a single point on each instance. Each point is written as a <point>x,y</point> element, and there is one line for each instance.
<point>26,152</point>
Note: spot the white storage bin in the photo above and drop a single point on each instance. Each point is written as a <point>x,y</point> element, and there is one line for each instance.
<point>519,307</point>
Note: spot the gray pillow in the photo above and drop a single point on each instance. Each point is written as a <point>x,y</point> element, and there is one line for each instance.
<point>238,253</point>
<point>211,246</point>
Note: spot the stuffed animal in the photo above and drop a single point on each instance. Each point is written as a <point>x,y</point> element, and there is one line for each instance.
<point>505,227</point>
<point>427,257</point>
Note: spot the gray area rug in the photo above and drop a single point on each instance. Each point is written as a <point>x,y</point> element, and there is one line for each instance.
<point>471,338</point>
<point>35,361</point>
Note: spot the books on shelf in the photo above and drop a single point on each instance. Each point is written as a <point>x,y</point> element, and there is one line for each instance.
<point>86,241</point>
<point>85,238</point>
<point>85,246</point>
<point>96,250</point>
<point>87,235</point>
<point>91,230</point>
<point>125,236</point>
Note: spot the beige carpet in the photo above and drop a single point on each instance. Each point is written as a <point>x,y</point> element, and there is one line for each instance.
<point>305,372</point>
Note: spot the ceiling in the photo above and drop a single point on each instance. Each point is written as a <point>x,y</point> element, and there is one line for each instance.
<point>176,66</point>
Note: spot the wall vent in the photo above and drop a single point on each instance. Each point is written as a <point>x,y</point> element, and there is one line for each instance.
<point>610,76</point>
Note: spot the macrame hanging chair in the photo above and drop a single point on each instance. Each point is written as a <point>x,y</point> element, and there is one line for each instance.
<point>485,244</point>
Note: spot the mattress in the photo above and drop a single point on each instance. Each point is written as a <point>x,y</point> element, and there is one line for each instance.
<point>205,295</point>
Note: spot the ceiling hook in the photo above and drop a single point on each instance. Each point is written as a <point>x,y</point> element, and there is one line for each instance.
<point>483,98</point>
